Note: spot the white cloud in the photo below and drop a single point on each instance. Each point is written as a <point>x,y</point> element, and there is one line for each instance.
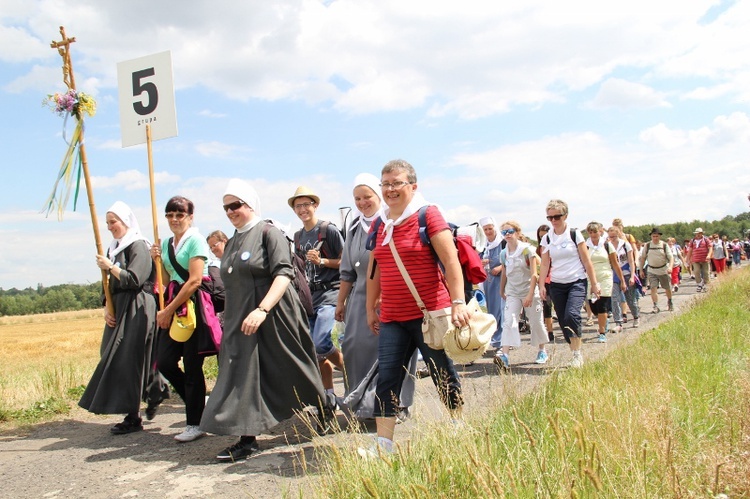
<point>618,93</point>
<point>473,59</point>
<point>211,114</point>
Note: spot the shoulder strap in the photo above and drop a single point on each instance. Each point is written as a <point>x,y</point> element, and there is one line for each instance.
<point>182,271</point>
<point>407,278</point>
<point>297,236</point>
<point>322,237</point>
<point>373,235</point>
<point>573,235</point>
<point>423,235</point>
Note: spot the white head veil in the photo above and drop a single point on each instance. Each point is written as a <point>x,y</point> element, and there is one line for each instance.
<point>133,234</point>
<point>246,193</point>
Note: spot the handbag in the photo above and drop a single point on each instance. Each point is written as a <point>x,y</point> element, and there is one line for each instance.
<point>467,344</point>
<point>436,323</point>
<point>183,325</point>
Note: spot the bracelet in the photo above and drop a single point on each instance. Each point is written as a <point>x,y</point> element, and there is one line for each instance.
<point>458,302</point>
<point>263,310</point>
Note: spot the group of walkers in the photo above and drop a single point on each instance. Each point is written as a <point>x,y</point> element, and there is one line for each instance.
<point>278,353</point>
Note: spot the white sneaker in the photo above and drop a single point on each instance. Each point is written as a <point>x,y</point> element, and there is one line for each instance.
<point>577,360</point>
<point>191,433</point>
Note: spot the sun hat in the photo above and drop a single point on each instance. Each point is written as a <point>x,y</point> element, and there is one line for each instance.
<point>655,230</point>
<point>698,231</point>
<point>467,344</point>
<point>303,191</point>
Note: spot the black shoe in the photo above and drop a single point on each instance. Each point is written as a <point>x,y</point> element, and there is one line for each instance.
<point>128,425</point>
<point>327,415</point>
<point>151,410</point>
<point>240,450</point>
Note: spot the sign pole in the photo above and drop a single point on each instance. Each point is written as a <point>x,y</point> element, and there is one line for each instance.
<point>63,48</point>
<point>154,220</point>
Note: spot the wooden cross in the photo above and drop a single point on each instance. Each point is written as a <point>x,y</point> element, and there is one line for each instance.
<point>63,48</point>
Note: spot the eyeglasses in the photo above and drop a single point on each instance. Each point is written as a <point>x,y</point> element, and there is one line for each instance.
<point>505,232</point>
<point>176,215</point>
<point>233,206</point>
<point>303,206</point>
<point>554,217</point>
<point>216,244</point>
<point>387,186</point>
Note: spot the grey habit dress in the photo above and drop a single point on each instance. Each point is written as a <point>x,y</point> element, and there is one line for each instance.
<point>125,371</point>
<point>266,377</point>
<point>360,345</point>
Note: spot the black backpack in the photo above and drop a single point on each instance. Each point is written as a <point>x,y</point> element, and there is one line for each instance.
<point>301,286</point>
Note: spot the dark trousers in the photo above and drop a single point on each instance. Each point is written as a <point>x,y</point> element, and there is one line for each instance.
<point>568,299</point>
<point>190,385</point>
<point>396,346</point>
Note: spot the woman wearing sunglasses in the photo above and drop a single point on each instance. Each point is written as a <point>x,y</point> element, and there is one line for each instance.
<point>566,259</point>
<point>268,370</point>
<point>518,287</point>
<point>186,267</point>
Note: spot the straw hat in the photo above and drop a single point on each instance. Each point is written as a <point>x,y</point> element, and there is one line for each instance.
<point>468,344</point>
<point>303,191</point>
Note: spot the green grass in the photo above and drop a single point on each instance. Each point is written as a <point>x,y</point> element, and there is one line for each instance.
<point>667,416</point>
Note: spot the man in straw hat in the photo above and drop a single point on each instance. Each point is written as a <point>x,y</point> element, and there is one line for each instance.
<point>320,244</point>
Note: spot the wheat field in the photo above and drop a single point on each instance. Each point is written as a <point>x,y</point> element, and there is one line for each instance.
<point>44,356</point>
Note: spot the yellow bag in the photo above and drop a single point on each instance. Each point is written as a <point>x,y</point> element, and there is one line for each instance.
<point>183,326</point>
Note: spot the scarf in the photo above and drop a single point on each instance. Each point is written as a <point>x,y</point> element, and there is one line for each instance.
<point>417,201</point>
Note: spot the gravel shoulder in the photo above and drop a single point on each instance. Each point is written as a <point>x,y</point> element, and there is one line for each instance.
<point>78,457</point>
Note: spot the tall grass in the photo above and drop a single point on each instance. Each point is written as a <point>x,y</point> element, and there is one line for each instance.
<point>668,415</point>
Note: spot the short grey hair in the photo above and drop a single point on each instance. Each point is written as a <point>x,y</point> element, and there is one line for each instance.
<point>559,205</point>
<point>401,166</point>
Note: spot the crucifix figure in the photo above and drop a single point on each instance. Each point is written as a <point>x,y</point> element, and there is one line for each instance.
<point>63,48</point>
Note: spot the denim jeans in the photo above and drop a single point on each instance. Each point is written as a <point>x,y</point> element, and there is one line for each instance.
<point>568,299</point>
<point>321,326</point>
<point>396,344</point>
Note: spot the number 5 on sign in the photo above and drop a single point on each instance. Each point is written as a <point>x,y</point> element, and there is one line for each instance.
<point>146,98</point>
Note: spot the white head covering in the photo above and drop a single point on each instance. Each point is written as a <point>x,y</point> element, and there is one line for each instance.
<point>487,221</point>
<point>371,181</point>
<point>246,193</point>
<point>133,234</point>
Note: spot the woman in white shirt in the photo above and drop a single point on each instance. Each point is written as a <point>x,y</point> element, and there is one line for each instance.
<point>566,259</point>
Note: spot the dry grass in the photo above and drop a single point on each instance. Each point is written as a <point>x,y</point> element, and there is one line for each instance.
<point>44,356</point>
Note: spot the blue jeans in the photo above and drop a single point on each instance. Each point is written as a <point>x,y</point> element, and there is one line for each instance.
<point>568,299</point>
<point>396,344</point>
<point>321,326</point>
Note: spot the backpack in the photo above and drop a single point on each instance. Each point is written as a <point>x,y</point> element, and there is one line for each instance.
<point>321,244</point>
<point>572,236</point>
<point>214,287</point>
<point>663,249</point>
<point>471,264</point>
<point>301,286</point>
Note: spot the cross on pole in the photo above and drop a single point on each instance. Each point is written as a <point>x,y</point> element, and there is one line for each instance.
<point>63,48</point>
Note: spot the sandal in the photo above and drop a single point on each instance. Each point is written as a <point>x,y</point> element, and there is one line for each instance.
<point>128,425</point>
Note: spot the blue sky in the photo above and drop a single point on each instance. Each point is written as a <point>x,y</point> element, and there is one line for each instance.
<point>636,110</point>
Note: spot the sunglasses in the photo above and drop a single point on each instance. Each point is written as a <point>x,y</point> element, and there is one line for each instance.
<point>176,215</point>
<point>505,232</point>
<point>233,206</point>
<point>554,217</point>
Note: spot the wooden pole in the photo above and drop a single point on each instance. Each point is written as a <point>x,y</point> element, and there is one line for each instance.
<point>154,219</point>
<point>63,48</point>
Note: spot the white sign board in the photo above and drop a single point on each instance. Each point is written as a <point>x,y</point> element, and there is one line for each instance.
<point>146,92</point>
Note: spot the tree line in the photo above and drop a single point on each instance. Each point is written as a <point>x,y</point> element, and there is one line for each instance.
<point>43,299</point>
<point>729,226</point>
<point>66,297</point>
